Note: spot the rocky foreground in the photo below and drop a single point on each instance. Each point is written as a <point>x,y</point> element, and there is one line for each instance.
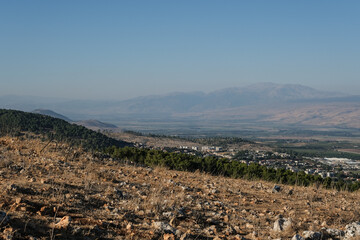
<point>53,191</point>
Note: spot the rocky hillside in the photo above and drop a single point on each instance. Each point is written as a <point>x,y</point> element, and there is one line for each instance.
<point>56,191</point>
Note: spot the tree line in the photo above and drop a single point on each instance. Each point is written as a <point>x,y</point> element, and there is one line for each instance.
<point>225,167</point>
<point>14,123</point>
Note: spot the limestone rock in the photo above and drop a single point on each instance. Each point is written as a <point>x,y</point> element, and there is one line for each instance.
<point>333,233</point>
<point>8,234</point>
<point>163,227</point>
<point>276,189</point>
<point>13,188</point>
<point>297,237</point>
<point>282,224</point>
<point>310,235</point>
<point>352,230</point>
<point>211,230</point>
<point>169,236</point>
<point>63,223</point>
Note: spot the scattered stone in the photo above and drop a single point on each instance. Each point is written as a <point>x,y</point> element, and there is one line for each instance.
<point>211,230</point>
<point>169,236</point>
<point>249,225</point>
<point>163,227</point>
<point>297,237</point>
<point>129,204</point>
<point>129,227</point>
<point>178,233</point>
<point>333,232</point>
<point>239,237</point>
<point>44,181</point>
<point>311,235</point>
<point>352,230</point>
<point>229,231</point>
<point>214,191</point>
<point>276,189</point>
<point>168,215</point>
<point>8,234</point>
<point>32,180</point>
<point>63,223</point>
<point>13,188</point>
<point>282,224</point>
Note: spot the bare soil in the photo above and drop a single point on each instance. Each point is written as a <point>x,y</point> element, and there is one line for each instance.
<point>61,192</point>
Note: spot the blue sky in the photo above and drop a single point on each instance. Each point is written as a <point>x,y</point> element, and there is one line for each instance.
<point>122,49</point>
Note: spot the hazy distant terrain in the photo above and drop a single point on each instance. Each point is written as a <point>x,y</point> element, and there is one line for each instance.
<point>91,124</point>
<point>51,114</point>
<point>265,105</point>
<point>96,125</point>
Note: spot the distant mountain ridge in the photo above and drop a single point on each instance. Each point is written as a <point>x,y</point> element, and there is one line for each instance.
<point>91,124</point>
<point>95,125</point>
<point>51,114</point>
<point>290,104</point>
<point>184,102</point>
<point>262,93</point>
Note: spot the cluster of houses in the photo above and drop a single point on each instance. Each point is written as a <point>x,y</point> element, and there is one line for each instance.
<point>325,167</point>
<point>203,148</point>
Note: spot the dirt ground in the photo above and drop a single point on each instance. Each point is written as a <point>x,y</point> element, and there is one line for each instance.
<point>55,191</point>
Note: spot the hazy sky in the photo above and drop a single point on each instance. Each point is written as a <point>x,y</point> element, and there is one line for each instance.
<point>121,49</point>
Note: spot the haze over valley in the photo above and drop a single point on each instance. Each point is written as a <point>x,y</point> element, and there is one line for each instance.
<point>264,106</point>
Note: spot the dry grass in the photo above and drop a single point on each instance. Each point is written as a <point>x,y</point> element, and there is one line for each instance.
<point>109,200</point>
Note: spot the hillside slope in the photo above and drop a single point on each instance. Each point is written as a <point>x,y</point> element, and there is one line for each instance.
<point>51,114</point>
<point>15,122</point>
<point>97,125</point>
<point>61,192</point>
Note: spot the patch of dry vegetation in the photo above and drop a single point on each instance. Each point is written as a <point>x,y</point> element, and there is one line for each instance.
<point>60,192</point>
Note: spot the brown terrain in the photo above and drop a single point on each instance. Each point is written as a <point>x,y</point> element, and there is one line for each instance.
<point>148,141</point>
<point>55,191</point>
<point>336,114</point>
<point>164,141</point>
<point>339,115</point>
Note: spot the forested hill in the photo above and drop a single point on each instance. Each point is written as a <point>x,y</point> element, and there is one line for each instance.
<point>15,122</point>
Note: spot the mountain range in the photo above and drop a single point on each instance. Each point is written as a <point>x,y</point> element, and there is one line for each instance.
<point>264,103</point>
